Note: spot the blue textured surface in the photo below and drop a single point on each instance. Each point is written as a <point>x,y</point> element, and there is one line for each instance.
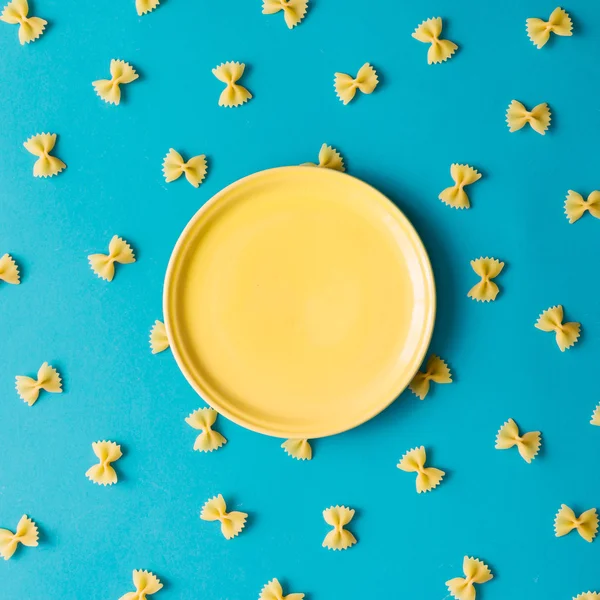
<point>401,139</point>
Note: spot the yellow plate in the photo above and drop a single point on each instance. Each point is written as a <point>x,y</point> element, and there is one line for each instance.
<point>299,302</point>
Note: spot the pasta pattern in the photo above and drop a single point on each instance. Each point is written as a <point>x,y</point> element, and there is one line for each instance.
<point>145,6</point>
<point>596,416</point>
<point>576,206</point>
<point>338,538</point>
<point>487,268</point>
<point>527,444</point>
<point>455,195</point>
<point>48,380</point>
<point>158,337</point>
<point>273,591</point>
<point>427,477</point>
<point>119,251</point>
<point>146,584</point>
<point>104,473</point>
<point>539,31</point>
<point>109,90</point>
<point>436,370</point>
<point>551,320</point>
<point>586,524</point>
<point>429,32</point>
<point>329,158</point>
<point>234,94</point>
<point>41,145</point>
<point>345,86</point>
<point>9,272</point>
<point>209,439</point>
<point>298,448</point>
<point>231,522</point>
<point>476,572</point>
<point>26,534</point>
<point>517,116</point>
<point>194,169</point>
<point>30,28</point>
<point>293,10</point>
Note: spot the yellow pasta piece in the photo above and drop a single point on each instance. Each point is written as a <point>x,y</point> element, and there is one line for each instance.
<point>119,251</point>
<point>234,94</point>
<point>338,538</point>
<point>576,206</point>
<point>110,89</point>
<point>455,195</point>
<point>30,28</point>
<point>586,524</point>
<point>48,380</point>
<point>298,448</point>
<point>487,269</point>
<point>566,333</point>
<point>158,337</point>
<point>436,370</point>
<point>194,169</point>
<point>204,419</point>
<point>588,596</point>
<point>103,473</point>
<point>527,444</point>
<point>145,583</point>
<point>26,534</point>
<point>539,31</point>
<point>145,6</point>
<point>231,522</point>
<point>476,572</point>
<point>345,86</point>
<point>274,591</point>
<point>293,10</point>
<point>329,158</point>
<point>596,416</point>
<point>429,32</point>
<point>517,116</point>
<point>41,145</point>
<point>9,272</point>
<point>427,477</point>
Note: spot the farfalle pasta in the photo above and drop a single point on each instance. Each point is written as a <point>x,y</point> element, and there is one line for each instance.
<point>231,522</point>
<point>104,473</point>
<point>596,416</point>
<point>30,28</point>
<point>576,206</point>
<point>9,271</point>
<point>486,289</point>
<point>159,340</point>
<point>586,524</point>
<point>329,158</point>
<point>203,419</point>
<point>109,90</point>
<point>338,538</point>
<point>298,448</point>
<point>551,320</point>
<point>119,251</point>
<point>436,370</point>
<point>273,591</point>
<point>588,596</point>
<point>194,169</point>
<point>293,10</point>
<point>476,572</point>
<point>26,533</point>
<point>41,145</point>
<point>539,31</point>
<point>146,584</point>
<point>517,116</point>
<point>234,94</point>
<point>145,6</point>
<point>47,379</point>
<point>345,86</point>
<point>429,32</point>
<point>527,444</point>
<point>455,195</point>
<point>427,477</point>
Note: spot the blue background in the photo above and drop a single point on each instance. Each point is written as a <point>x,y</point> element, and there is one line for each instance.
<point>402,139</point>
